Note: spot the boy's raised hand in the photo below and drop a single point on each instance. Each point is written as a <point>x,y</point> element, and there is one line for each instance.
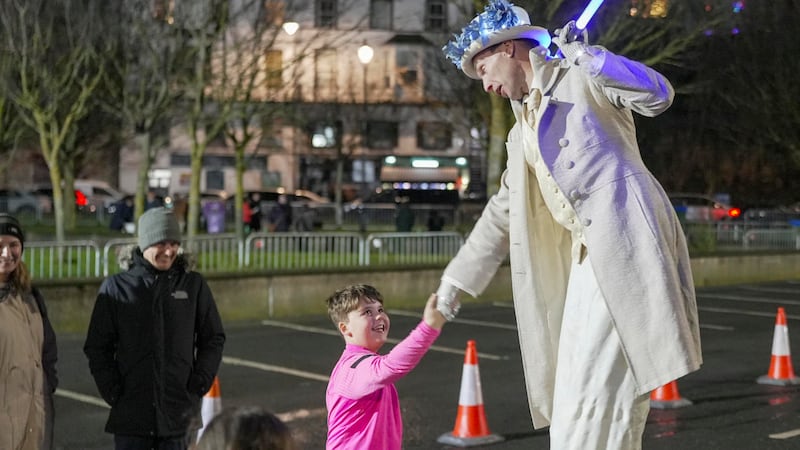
<point>431,315</point>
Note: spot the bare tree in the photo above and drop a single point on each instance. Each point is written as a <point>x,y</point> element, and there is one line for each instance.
<point>746,114</point>
<point>245,80</point>
<point>142,74</point>
<point>56,46</point>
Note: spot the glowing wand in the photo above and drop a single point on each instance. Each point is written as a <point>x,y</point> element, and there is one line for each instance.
<point>587,14</point>
<point>581,23</point>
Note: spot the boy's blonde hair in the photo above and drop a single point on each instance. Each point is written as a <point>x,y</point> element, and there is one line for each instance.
<point>346,299</point>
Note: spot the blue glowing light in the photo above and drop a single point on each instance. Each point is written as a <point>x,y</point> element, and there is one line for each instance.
<point>738,6</point>
<point>588,13</point>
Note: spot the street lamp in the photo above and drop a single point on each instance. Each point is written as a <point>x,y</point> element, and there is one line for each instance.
<point>365,54</point>
<point>290,27</point>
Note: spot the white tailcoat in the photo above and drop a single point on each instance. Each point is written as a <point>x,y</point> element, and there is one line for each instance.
<point>587,139</point>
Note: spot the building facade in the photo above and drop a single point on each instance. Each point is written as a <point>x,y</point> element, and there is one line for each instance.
<point>362,90</point>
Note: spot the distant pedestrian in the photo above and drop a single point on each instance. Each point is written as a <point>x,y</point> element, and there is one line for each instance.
<point>363,406</point>
<point>246,428</point>
<point>255,212</point>
<point>435,221</point>
<point>123,214</point>
<point>280,216</point>
<point>28,350</point>
<point>155,340</point>
<point>153,200</point>
<point>404,216</point>
<point>247,216</point>
<point>306,220</point>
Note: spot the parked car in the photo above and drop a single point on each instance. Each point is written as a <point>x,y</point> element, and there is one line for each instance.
<point>298,196</point>
<point>97,194</point>
<point>389,197</point>
<point>19,202</point>
<point>780,216</point>
<point>702,208</point>
<point>89,196</point>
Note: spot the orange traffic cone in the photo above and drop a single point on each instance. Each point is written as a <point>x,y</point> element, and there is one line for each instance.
<point>780,372</point>
<point>471,427</point>
<point>668,397</point>
<point>212,405</point>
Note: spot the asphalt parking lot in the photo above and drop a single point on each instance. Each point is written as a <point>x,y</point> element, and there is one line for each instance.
<point>284,366</point>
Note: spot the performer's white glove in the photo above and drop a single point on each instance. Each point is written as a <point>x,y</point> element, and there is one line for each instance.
<point>574,50</point>
<point>447,300</point>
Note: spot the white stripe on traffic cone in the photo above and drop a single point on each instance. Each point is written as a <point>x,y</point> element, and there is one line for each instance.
<point>471,427</point>
<point>212,405</point>
<point>781,372</point>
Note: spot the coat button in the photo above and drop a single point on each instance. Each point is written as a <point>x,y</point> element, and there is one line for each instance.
<point>563,142</point>
<point>574,195</point>
<point>586,222</point>
<point>569,164</point>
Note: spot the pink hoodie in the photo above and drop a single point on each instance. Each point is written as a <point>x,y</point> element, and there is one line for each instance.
<point>363,407</point>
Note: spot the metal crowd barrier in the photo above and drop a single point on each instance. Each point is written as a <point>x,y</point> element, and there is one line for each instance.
<point>316,251</point>
<point>781,239</point>
<point>68,260</point>
<point>259,251</point>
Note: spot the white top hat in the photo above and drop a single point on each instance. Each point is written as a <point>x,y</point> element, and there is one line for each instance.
<point>500,21</point>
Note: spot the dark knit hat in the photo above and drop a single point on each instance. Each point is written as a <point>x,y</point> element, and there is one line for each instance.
<point>10,226</point>
<point>157,225</point>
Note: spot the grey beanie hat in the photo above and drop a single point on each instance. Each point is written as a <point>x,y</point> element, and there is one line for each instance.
<point>157,225</point>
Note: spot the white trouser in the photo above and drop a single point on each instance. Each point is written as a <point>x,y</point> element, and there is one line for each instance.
<point>594,404</point>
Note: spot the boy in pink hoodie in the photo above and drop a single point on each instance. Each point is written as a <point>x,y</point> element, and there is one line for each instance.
<point>362,402</point>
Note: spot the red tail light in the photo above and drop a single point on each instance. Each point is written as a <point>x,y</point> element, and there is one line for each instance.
<point>80,198</point>
<point>734,213</point>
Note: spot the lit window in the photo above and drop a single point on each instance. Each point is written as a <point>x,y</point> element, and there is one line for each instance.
<point>325,14</point>
<point>325,74</point>
<point>273,68</point>
<point>324,134</point>
<point>434,135</point>
<point>380,14</point>
<point>436,15</point>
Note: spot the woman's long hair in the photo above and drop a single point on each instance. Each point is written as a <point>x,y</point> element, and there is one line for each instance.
<point>20,278</point>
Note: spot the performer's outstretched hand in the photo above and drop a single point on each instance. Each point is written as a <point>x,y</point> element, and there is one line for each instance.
<point>447,300</point>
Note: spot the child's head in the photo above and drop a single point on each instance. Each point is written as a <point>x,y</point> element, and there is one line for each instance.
<point>357,311</point>
<point>246,428</point>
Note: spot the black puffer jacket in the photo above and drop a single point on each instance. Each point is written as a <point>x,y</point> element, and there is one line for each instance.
<point>154,346</point>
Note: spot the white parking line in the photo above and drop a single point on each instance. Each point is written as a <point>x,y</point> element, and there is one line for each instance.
<point>92,400</point>
<point>739,298</point>
<point>744,312</point>
<point>286,417</point>
<point>717,327</point>
<point>786,434</point>
<point>271,368</point>
<point>772,289</point>
<point>437,348</point>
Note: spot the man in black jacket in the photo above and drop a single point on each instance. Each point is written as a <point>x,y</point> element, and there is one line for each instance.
<point>155,340</point>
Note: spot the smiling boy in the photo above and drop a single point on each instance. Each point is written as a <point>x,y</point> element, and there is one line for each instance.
<point>363,406</point>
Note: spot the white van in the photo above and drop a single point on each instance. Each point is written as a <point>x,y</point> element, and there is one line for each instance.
<point>98,194</point>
